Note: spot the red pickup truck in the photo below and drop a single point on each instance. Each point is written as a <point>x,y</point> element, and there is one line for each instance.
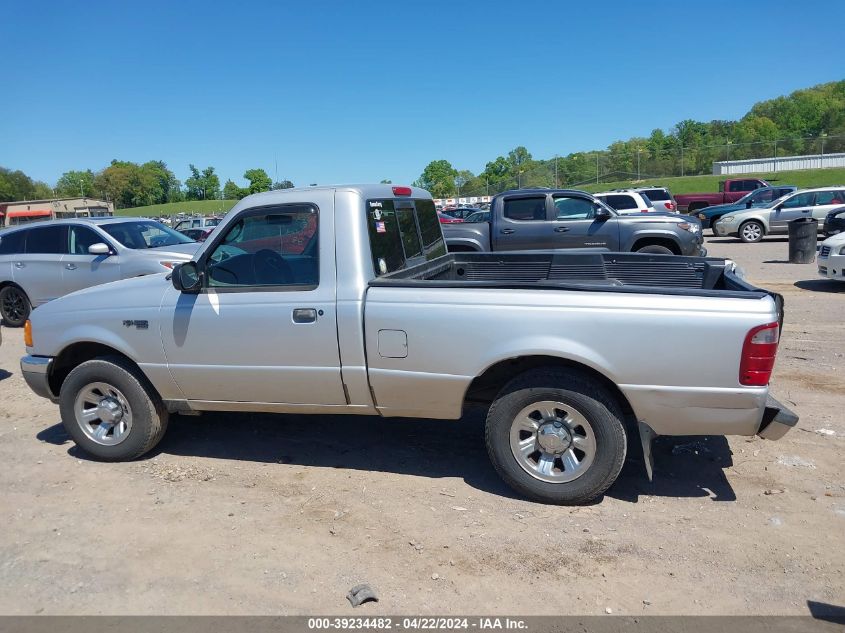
<point>730,190</point>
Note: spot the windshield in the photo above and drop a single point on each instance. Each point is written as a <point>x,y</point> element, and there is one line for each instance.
<point>145,234</point>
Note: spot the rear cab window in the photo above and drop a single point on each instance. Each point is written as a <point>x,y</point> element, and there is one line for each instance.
<point>620,202</point>
<point>403,232</point>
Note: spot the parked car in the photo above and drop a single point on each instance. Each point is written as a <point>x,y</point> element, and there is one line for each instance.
<point>626,201</point>
<point>362,275</point>
<point>445,218</point>
<point>831,259</point>
<point>834,222</point>
<point>530,219</point>
<point>660,197</point>
<point>197,223</point>
<point>753,224</point>
<point>198,235</point>
<point>461,213</point>
<point>761,197</point>
<point>47,260</point>
<point>478,216</point>
<point>730,190</point>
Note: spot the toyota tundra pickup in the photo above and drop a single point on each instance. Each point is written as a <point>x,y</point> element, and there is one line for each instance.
<point>331,300</point>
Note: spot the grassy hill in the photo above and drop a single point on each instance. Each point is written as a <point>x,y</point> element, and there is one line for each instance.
<point>696,184</point>
<point>205,207</point>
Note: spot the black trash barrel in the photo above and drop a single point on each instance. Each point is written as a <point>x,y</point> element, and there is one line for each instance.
<point>803,236</point>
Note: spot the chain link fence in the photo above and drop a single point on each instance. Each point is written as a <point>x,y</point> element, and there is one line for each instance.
<point>639,161</point>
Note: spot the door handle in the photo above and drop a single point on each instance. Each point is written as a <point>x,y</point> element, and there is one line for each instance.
<point>304,315</point>
<point>19,264</point>
<point>507,231</point>
<point>561,229</point>
<point>70,266</point>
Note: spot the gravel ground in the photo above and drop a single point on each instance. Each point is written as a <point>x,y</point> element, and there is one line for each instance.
<point>260,514</point>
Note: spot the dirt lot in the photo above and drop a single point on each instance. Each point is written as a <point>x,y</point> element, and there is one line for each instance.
<point>254,514</point>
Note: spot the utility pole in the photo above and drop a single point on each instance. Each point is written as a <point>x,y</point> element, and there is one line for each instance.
<point>775,160</point>
<point>81,190</point>
<point>597,168</point>
<point>639,151</point>
<point>682,160</point>
<point>556,170</point>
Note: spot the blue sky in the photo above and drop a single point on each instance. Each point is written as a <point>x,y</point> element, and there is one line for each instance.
<point>360,91</point>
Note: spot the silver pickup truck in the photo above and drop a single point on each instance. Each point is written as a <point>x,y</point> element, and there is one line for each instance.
<point>341,300</point>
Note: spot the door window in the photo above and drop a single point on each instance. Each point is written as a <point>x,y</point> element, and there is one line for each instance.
<point>767,195</point>
<point>45,240</point>
<point>526,209</point>
<point>798,200</point>
<point>830,197</point>
<point>11,243</point>
<point>273,247</point>
<point>80,238</point>
<point>574,209</point>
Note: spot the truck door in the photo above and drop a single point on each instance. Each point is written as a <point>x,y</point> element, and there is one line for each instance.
<point>523,224</point>
<point>263,328</point>
<point>575,224</point>
<point>798,206</point>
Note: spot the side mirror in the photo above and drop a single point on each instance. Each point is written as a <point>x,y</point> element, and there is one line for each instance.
<point>749,204</point>
<point>187,278</point>
<point>99,249</point>
<point>602,213</point>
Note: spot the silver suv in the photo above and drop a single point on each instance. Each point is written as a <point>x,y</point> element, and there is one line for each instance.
<point>50,259</point>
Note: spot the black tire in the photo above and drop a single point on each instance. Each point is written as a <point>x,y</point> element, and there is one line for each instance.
<point>149,416</point>
<point>587,396</point>
<point>750,236</point>
<point>14,306</point>
<point>655,249</point>
<point>713,221</point>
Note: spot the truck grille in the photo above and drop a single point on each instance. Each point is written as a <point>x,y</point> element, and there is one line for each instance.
<point>825,251</point>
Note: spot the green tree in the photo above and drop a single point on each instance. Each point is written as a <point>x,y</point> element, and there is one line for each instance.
<point>75,183</point>
<point>462,178</point>
<point>283,184</point>
<point>231,191</point>
<point>386,182</point>
<point>438,177</point>
<point>258,180</point>
<point>202,185</point>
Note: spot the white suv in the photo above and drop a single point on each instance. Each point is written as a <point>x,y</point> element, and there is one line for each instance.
<point>626,201</point>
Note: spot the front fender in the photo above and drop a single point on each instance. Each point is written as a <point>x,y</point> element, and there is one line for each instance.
<point>639,234</point>
<point>464,242</point>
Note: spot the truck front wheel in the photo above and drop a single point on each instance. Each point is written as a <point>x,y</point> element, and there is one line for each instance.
<point>110,410</point>
<point>556,436</point>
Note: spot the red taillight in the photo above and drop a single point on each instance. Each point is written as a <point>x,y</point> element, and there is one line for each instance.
<point>758,355</point>
<point>643,210</point>
<point>669,205</point>
<point>401,191</point>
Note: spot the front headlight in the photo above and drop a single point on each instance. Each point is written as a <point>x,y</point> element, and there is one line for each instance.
<point>688,226</point>
<point>727,219</point>
<point>701,216</point>
<point>841,250</point>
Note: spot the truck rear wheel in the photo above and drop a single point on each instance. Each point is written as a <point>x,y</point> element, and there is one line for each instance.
<point>111,411</point>
<point>556,436</point>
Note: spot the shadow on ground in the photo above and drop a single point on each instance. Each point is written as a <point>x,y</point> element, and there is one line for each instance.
<point>821,285</point>
<point>4,374</point>
<point>826,612</point>
<point>685,466</point>
<point>736,240</point>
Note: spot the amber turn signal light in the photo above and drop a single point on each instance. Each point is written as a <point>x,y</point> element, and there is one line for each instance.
<point>27,333</point>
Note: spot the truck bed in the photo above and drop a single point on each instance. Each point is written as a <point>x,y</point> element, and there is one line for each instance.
<point>584,271</point>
